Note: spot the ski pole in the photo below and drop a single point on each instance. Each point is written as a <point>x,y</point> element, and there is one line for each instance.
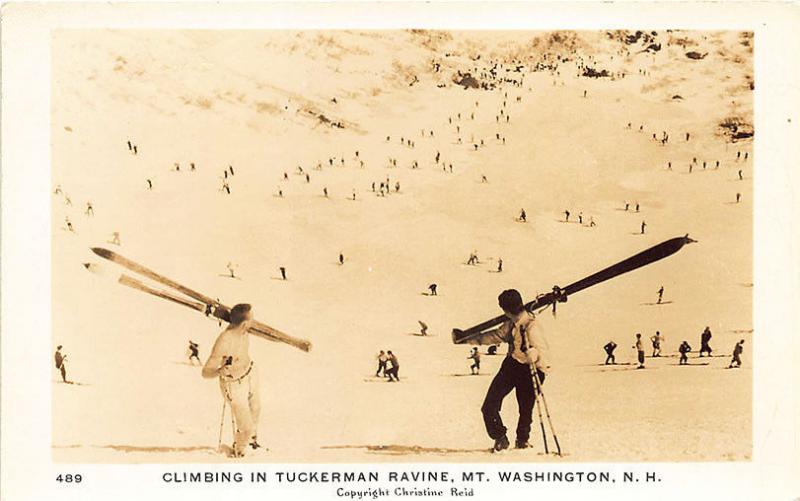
<point>233,427</point>
<point>547,412</point>
<point>221,423</point>
<point>539,411</point>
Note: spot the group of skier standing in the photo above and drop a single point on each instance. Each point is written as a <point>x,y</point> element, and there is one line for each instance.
<point>684,349</point>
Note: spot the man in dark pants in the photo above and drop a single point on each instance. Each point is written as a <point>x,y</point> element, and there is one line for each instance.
<point>527,351</point>
<point>394,366</point>
<point>737,355</point>
<point>610,347</point>
<point>639,350</point>
<point>194,352</point>
<point>705,337</point>
<point>684,348</point>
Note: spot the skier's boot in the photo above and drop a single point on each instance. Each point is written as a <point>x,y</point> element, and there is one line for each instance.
<point>522,444</point>
<point>500,444</point>
<point>236,452</point>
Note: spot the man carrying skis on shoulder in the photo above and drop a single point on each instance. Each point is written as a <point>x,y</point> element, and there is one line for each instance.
<point>527,352</point>
<point>238,377</point>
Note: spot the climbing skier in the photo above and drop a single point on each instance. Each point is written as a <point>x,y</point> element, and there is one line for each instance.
<point>737,353</point>
<point>393,365</point>
<point>60,360</point>
<point>684,349</point>
<point>382,358</point>
<point>238,377</point>
<point>705,337</point>
<point>194,353</point>
<point>475,368</point>
<point>527,352</point>
<point>639,350</point>
<point>609,348</point>
<point>657,340</point>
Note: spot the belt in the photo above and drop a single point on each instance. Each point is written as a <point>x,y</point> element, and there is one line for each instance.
<point>230,379</point>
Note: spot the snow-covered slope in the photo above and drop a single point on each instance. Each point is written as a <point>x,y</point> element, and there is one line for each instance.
<point>252,100</point>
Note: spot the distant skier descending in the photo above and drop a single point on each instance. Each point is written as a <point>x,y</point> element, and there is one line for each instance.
<point>423,328</point>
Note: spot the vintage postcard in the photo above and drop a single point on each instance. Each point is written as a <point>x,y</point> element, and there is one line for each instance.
<point>314,256</point>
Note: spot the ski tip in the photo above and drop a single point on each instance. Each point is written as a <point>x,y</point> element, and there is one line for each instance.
<point>104,253</point>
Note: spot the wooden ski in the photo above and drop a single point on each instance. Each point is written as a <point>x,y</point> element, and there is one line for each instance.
<point>487,332</point>
<point>136,284</point>
<point>202,303</point>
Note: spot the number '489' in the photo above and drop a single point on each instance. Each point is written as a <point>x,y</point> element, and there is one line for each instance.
<point>69,478</point>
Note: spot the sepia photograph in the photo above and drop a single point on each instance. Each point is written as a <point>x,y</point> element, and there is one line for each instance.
<point>401,245</point>
<point>382,250</point>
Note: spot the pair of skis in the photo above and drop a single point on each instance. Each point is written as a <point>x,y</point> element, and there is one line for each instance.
<point>481,334</point>
<point>194,300</point>
<point>487,332</point>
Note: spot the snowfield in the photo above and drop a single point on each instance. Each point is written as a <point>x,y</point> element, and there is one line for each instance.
<point>252,100</point>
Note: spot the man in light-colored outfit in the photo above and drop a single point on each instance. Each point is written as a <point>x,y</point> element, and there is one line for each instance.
<point>238,377</point>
